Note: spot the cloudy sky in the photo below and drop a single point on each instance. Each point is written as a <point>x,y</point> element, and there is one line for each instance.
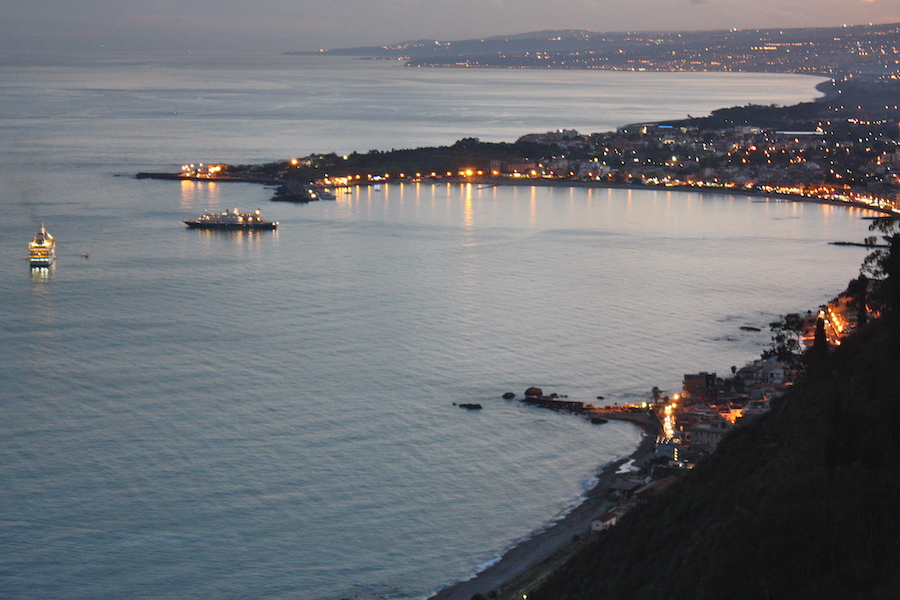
<point>285,25</point>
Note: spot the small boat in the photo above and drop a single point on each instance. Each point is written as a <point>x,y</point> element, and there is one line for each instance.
<point>232,220</point>
<point>42,249</point>
<point>324,193</point>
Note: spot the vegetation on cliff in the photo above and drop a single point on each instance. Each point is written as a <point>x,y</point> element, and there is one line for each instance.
<point>801,503</point>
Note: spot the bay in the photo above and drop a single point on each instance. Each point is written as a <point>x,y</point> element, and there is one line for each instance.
<point>192,415</point>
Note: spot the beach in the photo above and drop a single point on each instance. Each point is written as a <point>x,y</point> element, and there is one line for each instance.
<point>532,551</point>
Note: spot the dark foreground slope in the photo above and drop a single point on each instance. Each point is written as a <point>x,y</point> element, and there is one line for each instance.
<point>803,503</point>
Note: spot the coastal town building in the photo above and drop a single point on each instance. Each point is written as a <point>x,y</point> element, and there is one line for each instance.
<point>700,387</point>
<point>707,436</point>
<point>668,447</point>
<point>607,519</point>
<point>654,487</point>
<point>624,488</point>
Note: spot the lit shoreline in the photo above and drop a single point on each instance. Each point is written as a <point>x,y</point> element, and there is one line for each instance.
<point>860,201</point>
<point>650,187</point>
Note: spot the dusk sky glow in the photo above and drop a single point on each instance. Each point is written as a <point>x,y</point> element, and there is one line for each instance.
<point>43,26</point>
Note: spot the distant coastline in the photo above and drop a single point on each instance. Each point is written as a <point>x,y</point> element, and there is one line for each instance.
<point>826,51</point>
<point>828,89</point>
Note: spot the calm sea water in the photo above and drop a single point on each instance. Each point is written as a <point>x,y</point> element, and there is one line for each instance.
<point>195,415</point>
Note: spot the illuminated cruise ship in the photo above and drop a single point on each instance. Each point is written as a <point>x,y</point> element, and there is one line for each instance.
<point>42,249</point>
<point>232,220</point>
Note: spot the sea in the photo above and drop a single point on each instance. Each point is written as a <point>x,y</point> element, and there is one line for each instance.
<point>200,415</point>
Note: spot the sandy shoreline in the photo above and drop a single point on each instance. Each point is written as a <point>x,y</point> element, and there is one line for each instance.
<point>520,558</point>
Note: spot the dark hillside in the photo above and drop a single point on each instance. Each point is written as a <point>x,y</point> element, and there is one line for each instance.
<point>802,503</point>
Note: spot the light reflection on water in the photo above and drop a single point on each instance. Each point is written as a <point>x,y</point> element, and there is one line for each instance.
<point>202,196</point>
<point>238,236</point>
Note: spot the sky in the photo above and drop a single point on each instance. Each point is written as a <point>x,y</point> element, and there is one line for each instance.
<point>51,26</point>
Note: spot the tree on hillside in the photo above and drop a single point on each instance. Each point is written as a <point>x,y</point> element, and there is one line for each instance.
<point>858,290</point>
<point>816,356</point>
<point>883,265</point>
<point>786,340</point>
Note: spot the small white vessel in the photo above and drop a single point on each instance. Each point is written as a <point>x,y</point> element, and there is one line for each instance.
<point>42,249</point>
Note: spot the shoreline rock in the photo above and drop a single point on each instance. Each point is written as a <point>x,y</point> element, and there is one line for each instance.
<point>470,406</point>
